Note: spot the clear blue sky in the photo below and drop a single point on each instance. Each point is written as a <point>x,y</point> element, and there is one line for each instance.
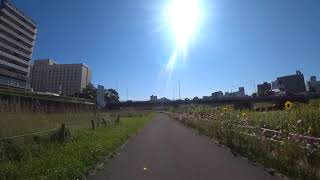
<point>238,43</point>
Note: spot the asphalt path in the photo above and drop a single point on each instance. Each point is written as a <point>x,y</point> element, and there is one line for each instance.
<point>166,150</point>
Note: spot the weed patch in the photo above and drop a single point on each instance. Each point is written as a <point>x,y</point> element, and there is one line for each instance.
<point>284,140</point>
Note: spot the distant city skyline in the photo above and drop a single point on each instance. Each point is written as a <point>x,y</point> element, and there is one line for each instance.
<point>239,43</point>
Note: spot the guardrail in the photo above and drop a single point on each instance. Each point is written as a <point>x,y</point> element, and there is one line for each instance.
<point>269,134</point>
<point>69,125</point>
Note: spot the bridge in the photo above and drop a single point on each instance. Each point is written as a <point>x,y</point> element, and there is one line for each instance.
<point>238,102</point>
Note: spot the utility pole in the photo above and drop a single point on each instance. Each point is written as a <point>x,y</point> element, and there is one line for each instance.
<point>127,94</point>
<point>173,93</point>
<point>179,91</point>
<point>117,86</point>
<point>254,85</point>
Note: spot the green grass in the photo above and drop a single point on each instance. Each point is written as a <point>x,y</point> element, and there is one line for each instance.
<point>302,118</point>
<point>20,123</point>
<point>73,158</point>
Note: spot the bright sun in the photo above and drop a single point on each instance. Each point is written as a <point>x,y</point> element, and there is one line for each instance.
<point>183,17</point>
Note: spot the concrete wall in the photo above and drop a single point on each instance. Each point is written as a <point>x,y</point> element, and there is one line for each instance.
<point>23,104</point>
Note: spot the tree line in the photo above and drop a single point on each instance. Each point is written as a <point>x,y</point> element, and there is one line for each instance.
<point>90,93</point>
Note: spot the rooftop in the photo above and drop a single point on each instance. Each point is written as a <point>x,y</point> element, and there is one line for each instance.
<point>53,62</point>
<point>298,73</point>
<point>6,2</point>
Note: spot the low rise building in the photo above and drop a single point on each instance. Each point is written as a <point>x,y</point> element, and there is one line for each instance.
<point>292,83</point>
<point>164,99</point>
<point>217,95</point>
<point>264,89</point>
<point>153,98</point>
<point>101,92</point>
<point>206,97</point>
<point>313,84</point>
<point>274,85</point>
<point>67,79</point>
<point>240,93</point>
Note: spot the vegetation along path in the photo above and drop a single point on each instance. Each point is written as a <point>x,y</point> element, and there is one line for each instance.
<point>165,149</point>
<point>68,160</point>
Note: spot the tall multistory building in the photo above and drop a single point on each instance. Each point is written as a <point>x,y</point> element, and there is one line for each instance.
<point>17,39</point>
<point>67,79</point>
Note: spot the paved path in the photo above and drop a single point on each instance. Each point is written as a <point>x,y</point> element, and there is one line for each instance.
<point>170,151</point>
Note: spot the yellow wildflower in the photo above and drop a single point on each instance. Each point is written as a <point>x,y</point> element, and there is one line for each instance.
<point>288,105</point>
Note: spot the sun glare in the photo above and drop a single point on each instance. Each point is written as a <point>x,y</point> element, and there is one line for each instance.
<point>183,17</point>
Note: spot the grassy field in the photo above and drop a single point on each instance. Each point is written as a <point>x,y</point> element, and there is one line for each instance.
<point>284,140</point>
<point>20,123</point>
<point>70,159</point>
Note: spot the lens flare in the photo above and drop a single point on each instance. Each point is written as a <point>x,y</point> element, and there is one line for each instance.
<point>172,61</point>
<point>183,17</point>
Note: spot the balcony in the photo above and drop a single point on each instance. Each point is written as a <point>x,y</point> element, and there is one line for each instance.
<point>11,74</point>
<point>6,29</point>
<point>14,58</point>
<point>21,14</point>
<point>26,56</point>
<point>15,43</point>
<point>6,12</point>
<point>13,25</point>
<point>14,66</point>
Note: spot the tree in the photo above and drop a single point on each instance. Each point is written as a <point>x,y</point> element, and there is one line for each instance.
<point>89,92</point>
<point>111,96</point>
<point>196,99</point>
<point>254,95</point>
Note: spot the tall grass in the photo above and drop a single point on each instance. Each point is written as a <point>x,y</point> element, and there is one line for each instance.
<point>19,115</point>
<point>276,139</point>
<point>56,155</point>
